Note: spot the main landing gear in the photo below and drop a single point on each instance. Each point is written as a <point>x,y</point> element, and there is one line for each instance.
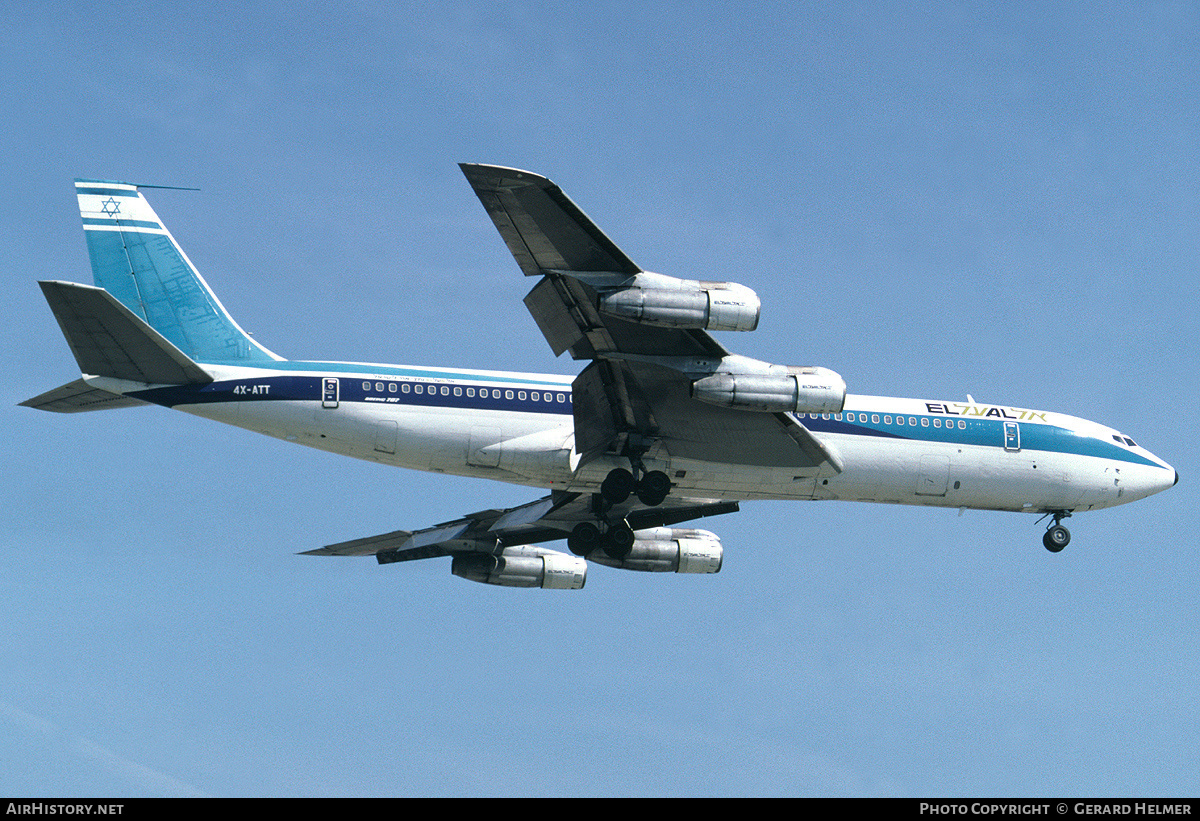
<point>651,489</point>
<point>1057,537</point>
<point>614,535</point>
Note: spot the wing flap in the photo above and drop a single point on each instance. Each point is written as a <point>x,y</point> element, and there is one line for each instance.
<point>563,328</point>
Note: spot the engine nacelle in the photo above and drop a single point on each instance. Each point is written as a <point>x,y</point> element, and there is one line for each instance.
<point>522,567</point>
<point>713,306</point>
<point>668,550</point>
<point>789,389</point>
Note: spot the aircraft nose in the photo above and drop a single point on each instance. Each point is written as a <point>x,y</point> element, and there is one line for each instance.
<point>1168,479</point>
<point>1157,480</point>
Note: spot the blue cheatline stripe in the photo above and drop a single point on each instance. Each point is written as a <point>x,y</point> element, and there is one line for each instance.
<point>517,394</point>
<point>985,432</point>
<point>309,388</point>
<point>363,369</point>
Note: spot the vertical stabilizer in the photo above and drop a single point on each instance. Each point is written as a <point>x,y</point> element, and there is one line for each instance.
<point>137,260</point>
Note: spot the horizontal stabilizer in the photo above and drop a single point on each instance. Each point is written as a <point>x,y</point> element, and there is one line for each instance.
<point>78,396</point>
<point>108,339</point>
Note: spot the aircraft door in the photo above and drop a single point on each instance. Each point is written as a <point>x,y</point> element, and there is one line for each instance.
<point>934,476</point>
<point>1012,437</point>
<point>329,392</point>
<point>385,436</point>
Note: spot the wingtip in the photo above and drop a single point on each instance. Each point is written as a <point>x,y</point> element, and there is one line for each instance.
<point>504,174</point>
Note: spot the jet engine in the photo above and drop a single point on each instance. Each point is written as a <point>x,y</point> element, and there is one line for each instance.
<point>668,550</point>
<point>783,388</point>
<point>522,567</point>
<point>656,299</point>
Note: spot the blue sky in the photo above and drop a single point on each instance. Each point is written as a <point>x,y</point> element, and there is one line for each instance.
<point>933,201</point>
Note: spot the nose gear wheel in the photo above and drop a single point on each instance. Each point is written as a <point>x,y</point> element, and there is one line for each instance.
<point>1057,537</point>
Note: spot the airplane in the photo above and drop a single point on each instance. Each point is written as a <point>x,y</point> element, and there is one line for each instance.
<point>663,425</point>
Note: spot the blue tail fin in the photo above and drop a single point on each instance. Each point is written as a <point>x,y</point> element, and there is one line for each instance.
<point>137,260</point>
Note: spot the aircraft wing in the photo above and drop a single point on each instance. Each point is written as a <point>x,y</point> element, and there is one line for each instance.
<point>493,531</point>
<point>549,236</point>
<point>639,382</point>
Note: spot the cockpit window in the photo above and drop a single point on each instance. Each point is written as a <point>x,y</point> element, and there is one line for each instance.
<point>1124,440</point>
<point>1130,442</point>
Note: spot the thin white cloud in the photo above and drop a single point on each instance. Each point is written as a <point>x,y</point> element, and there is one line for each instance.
<point>59,741</point>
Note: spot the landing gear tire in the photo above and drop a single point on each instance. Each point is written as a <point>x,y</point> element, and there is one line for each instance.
<point>584,539</point>
<point>653,488</point>
<point>1057,537</point>
<point>617,485</point>
<point>618,541</point>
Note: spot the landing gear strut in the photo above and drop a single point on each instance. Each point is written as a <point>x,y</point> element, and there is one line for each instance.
<point>612,534</point>
<point>1057,537</point>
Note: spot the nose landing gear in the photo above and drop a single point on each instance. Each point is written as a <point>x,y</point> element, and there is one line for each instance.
<point>1057,537</point>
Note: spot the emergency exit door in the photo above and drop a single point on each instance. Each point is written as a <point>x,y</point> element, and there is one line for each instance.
<point>329,392</point>
<point>1012,436</point>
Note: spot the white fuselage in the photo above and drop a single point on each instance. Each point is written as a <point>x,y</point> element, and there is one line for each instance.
<point>519,428</point>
